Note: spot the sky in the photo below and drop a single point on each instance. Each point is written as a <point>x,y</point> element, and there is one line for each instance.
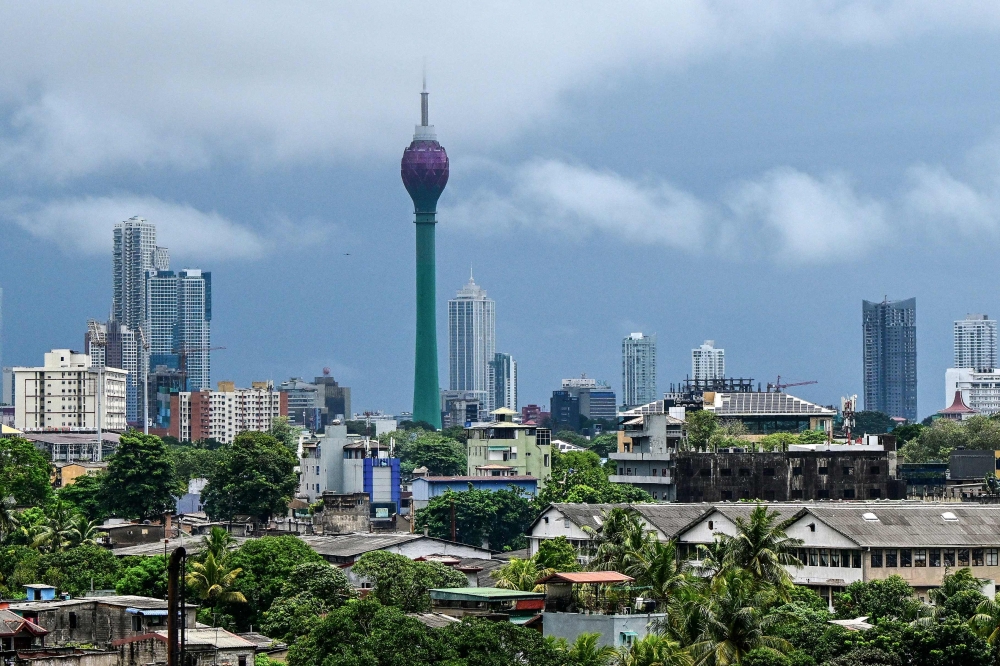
<point>743,172</point>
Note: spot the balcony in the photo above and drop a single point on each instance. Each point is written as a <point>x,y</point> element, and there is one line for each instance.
<point>635,457</point>
<point>640,479</point>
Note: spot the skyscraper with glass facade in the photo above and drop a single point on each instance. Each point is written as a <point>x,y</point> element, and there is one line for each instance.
<point>976,342</point>
<point>503,382</point>
<point>890,357</point>
<point>471,341</point>
<point>638,370</point>
<point>193,338</point>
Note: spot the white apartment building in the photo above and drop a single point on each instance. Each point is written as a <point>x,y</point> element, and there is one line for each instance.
<point>638,370</point>
<point>471,340</point>
<point>225,413</point>
<point>980,390</point>
<point>976,343</point>
<point>63,394</point>
<point>707,362</point>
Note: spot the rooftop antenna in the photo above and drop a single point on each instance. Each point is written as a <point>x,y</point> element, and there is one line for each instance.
<point>423,101</point>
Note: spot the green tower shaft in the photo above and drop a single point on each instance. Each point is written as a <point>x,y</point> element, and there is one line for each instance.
<point>426,398</point>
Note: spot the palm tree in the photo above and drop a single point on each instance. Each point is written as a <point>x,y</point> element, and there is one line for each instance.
<point>656,566</point>
<point>763,549</point>
<point>734,620</point>
<point>82,531</point>
<point>653,650</point>
<point>986,621</point>
<point>586,651</point>
<point>522,575</point>
<point>621,536</point>
<point>211,581</point>
<point>54,534</point>
<point>217,543</point>
<point>8,518</point>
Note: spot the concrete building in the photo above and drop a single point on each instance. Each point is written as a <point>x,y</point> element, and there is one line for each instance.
<point>581,398</point>
<point>336,399</point>
<point>976,343</point>
<point>980,388</point>
<point>460,408</point>
<point>648,448</point>
<point>505,448</point>
<point>638,370</point>
<point>890,357</point>
<point>503,382</point>
<point>304,405</point>
<point>121,348</point>
<point>471,341</point>
<point>64,393</point>
<point>707,362</point>
<point>7,388</point>
<point>224,413</point>
<point>193,337</point>
<point>769,412</point>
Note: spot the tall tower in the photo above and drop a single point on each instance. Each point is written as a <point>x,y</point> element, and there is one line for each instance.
<point>424,169</point>
<point>638,370</point>
<point>707,362</point>
<point>976,343</point>
<point>890,357</point>
<point>471,341</point>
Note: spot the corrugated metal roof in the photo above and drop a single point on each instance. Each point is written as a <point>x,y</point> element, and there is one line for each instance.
<point>434,620</point>
<point>670,519</point>
<point>11,623</point>
<point>352,545</point>
<point>482,594</point>
<point>914,525</point>
<point>588,578</point>
<point>768,404</point>
<point>217,638</point>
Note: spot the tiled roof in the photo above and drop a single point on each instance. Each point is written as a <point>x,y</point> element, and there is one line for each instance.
<point>588,578</point>
<point>11,624</point>
<point>768,404</point>
<point>943,524</point>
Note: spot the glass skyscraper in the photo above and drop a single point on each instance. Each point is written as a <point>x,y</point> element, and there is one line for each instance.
<point>471,341</point>
<point>638,370</point>
<point>503,382</point>
<point>890,357</point>
<point>192,337</point>
<point>976,343</point>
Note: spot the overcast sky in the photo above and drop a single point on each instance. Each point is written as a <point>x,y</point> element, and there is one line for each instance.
<point>746,172</point>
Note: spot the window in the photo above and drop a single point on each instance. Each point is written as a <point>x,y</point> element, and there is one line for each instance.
<point>726,472</point>
<point>963,557</point>
<point>823,494</point>
<point>136,623</point>
<point>905,557</point>
<point>241,661</point>
<point>977,557</point>
<point>796,494</point>
<point>823,469</point>
<point>848,471</point>
<point>768,471</point>
<point>727,495</point>
<point>920,558</point>
<point>802,555</point>
<point>848,493</point>
<point>769,495</point>
<point>855,559</point>
<point>705,472</point>
<point>545,460</point>
<point>949,558</point>
<point>834,558</point>
<point>991,557</point>
<point>621,471</point>
<point>654,492</point>
<point>934,557</point>
<point>813,557</point>
<point>874,469</point>
<point>824,557</point>
<point>874,493</point>
<point>744,471</point>
<point>890,558</point>
<point>664,472</point>
<point>797,471</point>
<point>72,621</point>
<point>876,558</point>
<point>711,525</point>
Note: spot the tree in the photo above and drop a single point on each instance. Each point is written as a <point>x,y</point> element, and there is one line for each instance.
<point>217,543</point>
<point>327,583</point>
<point>255,477</point>
<point>871,423</point>
<point>401,582</point>
<point>778,441</point>
<point>557,554</point>
<point>78,570</point>
<point>521,575</point>
<point>586,651</point>
<point>478,642</point>
<point>140,481</point>
<point>622,534</point>
<point>312,590</point>
<point>579,476</point>
<point>498,517</point>
<point>761,548</point>
<point>604,444</point>
<point>24,472</point>
<point>83,532</point>
<point>86,494</point>
<point>907,433</point>
<point>213,582</point>
<point>655,650</point>
<point>9,521</point>
<point>286,433</point>
<point>289,618</point>
<point>147,577</point>
<point>439,454</point>
<point>889,598</point>
<point>54,534</point>
<point>657,566</point>
<point>193,462</point>
<point>701,425</point>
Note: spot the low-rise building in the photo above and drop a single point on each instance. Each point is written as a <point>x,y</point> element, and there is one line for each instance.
<point>766,412</point>
<point>224,413</point>
<point>980,388</point>
<point>648,448</point>
<point>490,602</point>
<point>505,448</point>
<point>66,473</point>
<point>18,633</point>
<point>78,445</point>
<point>203,646</point>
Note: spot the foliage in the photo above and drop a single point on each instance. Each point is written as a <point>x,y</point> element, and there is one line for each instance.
<point>761,548</point>
<point>441,455</point>
<point>255,477</point>
<point>935,443</point>
<point>24,472</point>
<point>521,575</point>
<point>312,590</point>
<point>457,433</point>
<point>586,651</point>
<point>217,543</point>
<point>286,433</point>
<point>75,570</point>
<point>622,534</point>
<point>604,444</point>
<point>557,554</point>
<point>140,481</point>
<point>54,533</point>
<point>701,425</point>
<point>86,494</point>
<point>147,577</point>
<point>477,642</point>
<point>578,476</point>
<point>498,517</point>
<point>944,643</point>
<point>193,462</point>
<point>399,581</point>
<point>890,598</point>
<point>778,441</point>
<point>327,583</point>
<point>907,433</point>
<point>213,582</point>
<point>871,423</point>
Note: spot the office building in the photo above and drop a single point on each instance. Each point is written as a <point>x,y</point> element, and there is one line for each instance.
<point>3,390</point>
<point>505,448</point>
<point>135,254</point>
<point>461,408</point>
<point>63,394</point>
<point>336,399</point>
<point>305,408</point>
<point>976,343</point>
<point>582,398</point>
<point>471,340</point>
<point>347,464</point>
<point>707,362</point>
<point>193,338</point>
<point>890,357</point>
<point>120,348</point>
<point>980,389</point>
<point>638,370</point>
<point>503,382</point>
<point>161,309</point>
<point>224,413</point>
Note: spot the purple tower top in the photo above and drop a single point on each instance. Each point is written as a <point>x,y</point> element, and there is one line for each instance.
<point>424,167</point>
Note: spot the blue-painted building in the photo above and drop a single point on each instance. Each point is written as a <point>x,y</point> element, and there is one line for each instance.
<point>427,487</point>
<point>381,482</point>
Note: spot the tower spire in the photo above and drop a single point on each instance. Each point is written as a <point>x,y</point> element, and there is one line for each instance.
<point>423,103</point>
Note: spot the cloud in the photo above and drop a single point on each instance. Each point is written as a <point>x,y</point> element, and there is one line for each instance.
<point>84,225</point>
<point>948,207</point>
<point>95,87</point>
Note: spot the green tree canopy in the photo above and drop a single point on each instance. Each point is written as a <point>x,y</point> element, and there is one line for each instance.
<point>871,423</point>
<point>193,462</point>
<point>401,582</point>
<point>286,433</point>
<point>145,577</point>
<point>255,477</point>
<point>441,455</point>
<point>86,493</point>
<point>701,425</point>
<point>24,472</point>
<point>578,476</point>
<point>75,570</point>
<point>890,598</point>
<point>498,517</point>
<point>140,481</point>
<point>557,554</point>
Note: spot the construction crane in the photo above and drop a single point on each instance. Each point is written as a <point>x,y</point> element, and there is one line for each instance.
<point>777,385</point>
<point>98,338</point>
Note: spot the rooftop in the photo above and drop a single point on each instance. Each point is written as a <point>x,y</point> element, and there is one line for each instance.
<point>477,479</point>
<point>482,594</point>
<point>12,623</point>
<point>588,578</point>
<point>930,524</point>
<point>766,404</point>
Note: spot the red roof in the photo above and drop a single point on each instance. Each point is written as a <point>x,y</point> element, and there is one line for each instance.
<point>530,604</point>
<point>958,406</point>
<point>588,578</point>
<point>12,624</point>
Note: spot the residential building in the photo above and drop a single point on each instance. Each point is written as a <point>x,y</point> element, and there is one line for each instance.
<point>64,393</point>
<point>582,398</point>
<point>890,357</point>
<point>224,413</point>
<point>426,488</point>
<point>534,414</point>
<point>707,362</point>
<point>161,313</point>
<point>980,388</point>
<point>648,449</point>
<point>16,634</point>
<point>976,343</point>
<point>505,448</point>
<point>768,412</point>
<point>638,370</point>
<point>471,340</point>
<point>120,348</point>
<point>334,397</point>
<point>135,254</point>
<point>193,337</point>
<point>502,382</point>
<point>492,602</point>
<point>460,408</point>
<point>66,473</point>
<point>305,407</point>
<point>203,646</point>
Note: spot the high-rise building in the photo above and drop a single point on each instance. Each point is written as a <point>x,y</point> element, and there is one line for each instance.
<point>135,254</point>
<point>471,341</point>
<point>193,335</point>
<point>121,349</point>
<point>424,169</point>
<point>503,382</point>
<point>638,370</point>
<point>334,397</point>
<point>161,309</point>
<point>976,343</point>
<point>224,413</point>
<point>890,357</point>
<point>707,362</point>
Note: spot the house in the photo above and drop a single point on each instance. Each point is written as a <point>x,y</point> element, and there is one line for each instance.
<point>66,473</point>
<point>97,620</point>
<point>426,488</point>
<point>505,448</point>
<point>18,633</point>
<point>208,646</point>
<point>492,602</point>
<point>121,534</point>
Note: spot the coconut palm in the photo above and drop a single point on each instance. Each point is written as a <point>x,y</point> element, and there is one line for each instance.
<point>986,621</point>
<point>586,651</point>
<point>82,532</point>
<point>212,581</point>
<point>217,542</point>
<point>522,575</point>
<point>54,534</point>
<point>654,650</point>
<point>621,536</point>
<point>762,548</point>
<point>657,566</point>
<point>734,620</point>
<point>8,518</point>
